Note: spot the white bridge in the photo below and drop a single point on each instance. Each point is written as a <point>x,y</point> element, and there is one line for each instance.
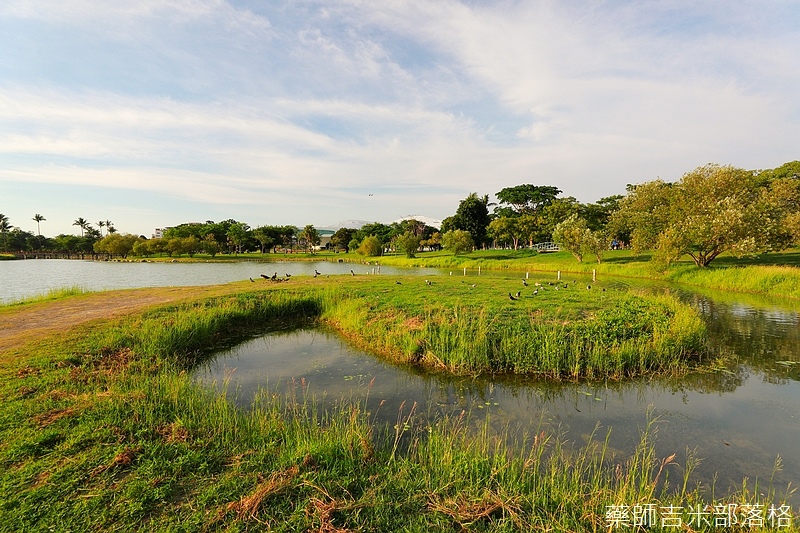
<point>544,247</point>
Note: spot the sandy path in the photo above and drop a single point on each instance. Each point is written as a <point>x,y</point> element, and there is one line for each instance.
<point>20,325</point>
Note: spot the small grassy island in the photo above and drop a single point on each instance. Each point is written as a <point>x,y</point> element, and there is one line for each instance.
<point>103,427</point>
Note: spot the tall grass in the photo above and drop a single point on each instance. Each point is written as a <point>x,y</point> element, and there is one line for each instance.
<point>629,335</point>
<point>52,294</point>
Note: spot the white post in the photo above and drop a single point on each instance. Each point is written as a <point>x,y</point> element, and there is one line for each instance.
<point>559,275</point>
<point>594,274</point>
<point>373,271</point>
<point>526,275</point>
<point>479,270</point>
<point>465,271</point>
<point>451,272</point>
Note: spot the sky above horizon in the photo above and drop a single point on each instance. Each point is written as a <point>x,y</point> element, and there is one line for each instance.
<point>151,113</point>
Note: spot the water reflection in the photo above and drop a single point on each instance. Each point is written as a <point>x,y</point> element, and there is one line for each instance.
<point>737,425</point>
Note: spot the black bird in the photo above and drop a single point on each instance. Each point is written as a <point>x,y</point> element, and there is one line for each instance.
<point>352,273</point>
<point>398,283</point>
<point>274,276</point>
<point>252,280</point>
<point>317,272</point>
<point>525,283</point>
<point>588,287</point>
<point>264,276</point>
<point>518,294</point>
<point>428,282</point>
<point>288,275</point>
<point>511,297</point>
<point>536,292</point>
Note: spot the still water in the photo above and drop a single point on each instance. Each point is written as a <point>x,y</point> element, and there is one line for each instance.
<point>737,420</point>
<point>26,278</point>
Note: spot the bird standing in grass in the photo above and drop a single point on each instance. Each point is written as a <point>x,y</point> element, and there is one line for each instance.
<point>524,283</point>
<point>252,280</point>
<point>519,294</point>
<point>428,282</point>
<point>511,297</point>
<point>352,273</point>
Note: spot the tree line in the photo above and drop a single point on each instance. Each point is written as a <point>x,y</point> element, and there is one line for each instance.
<point>711,210</point>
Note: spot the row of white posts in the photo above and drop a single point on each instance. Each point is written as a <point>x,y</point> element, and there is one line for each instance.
<point>527,274</point>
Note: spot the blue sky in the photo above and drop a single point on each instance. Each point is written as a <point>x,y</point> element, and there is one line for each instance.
<point>155,112</point>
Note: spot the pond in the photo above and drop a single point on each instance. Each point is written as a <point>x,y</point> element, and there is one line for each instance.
<point>738,422</point>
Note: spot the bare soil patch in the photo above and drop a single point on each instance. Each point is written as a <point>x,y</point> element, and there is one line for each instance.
<point>29,322</point>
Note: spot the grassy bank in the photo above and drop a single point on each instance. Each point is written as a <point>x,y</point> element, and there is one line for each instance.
<point>103,429</point>
<point>774,274</point>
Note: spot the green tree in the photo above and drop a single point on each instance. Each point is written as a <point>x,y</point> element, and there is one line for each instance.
<point>116,244</point>
<point>458,241</point>
<point>529,228</point>
<point>371,246</point>
<point>598,214</point>
<point>238,234</point>
<point>712,210</point>
<point>408,243</point>
<point>310,236</point>
<point>553,214</point>
<point>264,238</point>
<point>39,219</point>
<point>5,227</point>
<point>572,234</point>
<point>210,245</point>
<point>504,230</point>
<point>341,239</point>
<point>471,216</point>
<point>528,199</point>
<point>82,223</point>
<point>141,248</point>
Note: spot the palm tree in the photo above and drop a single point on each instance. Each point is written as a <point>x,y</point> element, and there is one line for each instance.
<point>81,223</point>
<point>5,226</point>
<point>38,219</point>
<point>100,225</point>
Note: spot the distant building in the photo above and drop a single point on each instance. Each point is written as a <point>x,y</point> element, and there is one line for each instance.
<point>159,232</point>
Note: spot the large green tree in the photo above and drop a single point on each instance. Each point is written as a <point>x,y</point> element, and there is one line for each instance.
<point>505,230</point>
<point>458,241</point>
<point>712,210</point>
<point>342,237</point>
<point>408,243</point>
<point>471,216</point>
<point>527,198</point>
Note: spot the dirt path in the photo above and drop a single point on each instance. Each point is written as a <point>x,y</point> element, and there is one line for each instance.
<point>20,325</point>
